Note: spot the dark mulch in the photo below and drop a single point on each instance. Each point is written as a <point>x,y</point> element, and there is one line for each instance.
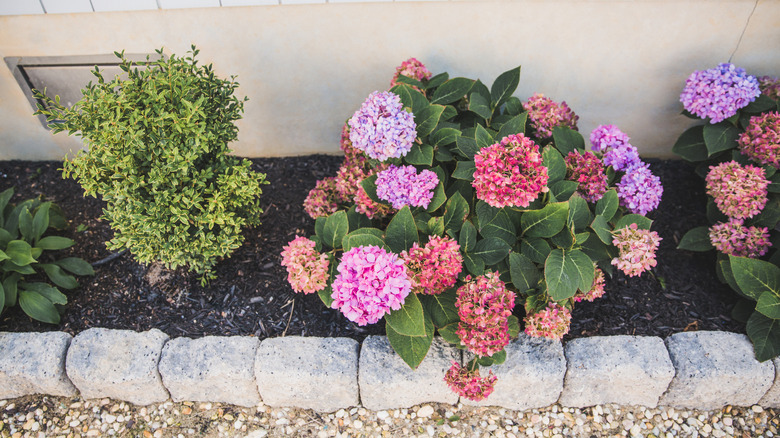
<point>251,295</point>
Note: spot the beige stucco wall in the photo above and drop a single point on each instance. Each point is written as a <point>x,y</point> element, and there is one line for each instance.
<point>307,68</point>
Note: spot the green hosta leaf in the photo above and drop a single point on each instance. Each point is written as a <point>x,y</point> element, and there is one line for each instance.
<point>504,86</point>
<point>492,250</point>
<point>535,248</point>
<point>401,232</point>
<point>445,136</point>
<point>455,212</point>
<point>765,334</point>
<point>412,349</point>
<point>468,237</point>
<point>720,137</point>
<point>3,256</point>
<point>515,125</point>
<point>409,320</point>
<point>642,222</point>
<point>601,227</point>
<point>769,305</point>
<point>691,145</point>
<point>466,146</point>
<point>608,204</point>
<point>567,140</point>
<point>696,239</point>
<point>567,271</point>
<point>483,137</point>
<point>10,286</point>
<point>2,296</point>
<point>5,237</point>
<point>441,307</point>
<point>480,106</point>
<point>474,263</point>
<point>429,118</point>
<point>562,190</point>
<point>421,155</point>
<point>336,227</point>
<point>58,277</point>
<point>5,197</point>
<point>54,243</point>
<point>464,170</point>
<point>363,237</point>
<point>37,307</point>
<point>50,293</point>
<point>556,166</point>
<point>579,213</point>
<point>40,221</point>
<point>754,277</point>
<point>495,222</point>
<point>546,222</point>
<point>20,252</point>
<point>525,274</point>
<point>75,265</point>
<point>439,198</point>
<point>449,334</point>
<point>26,224</point>
<point>452,91</point>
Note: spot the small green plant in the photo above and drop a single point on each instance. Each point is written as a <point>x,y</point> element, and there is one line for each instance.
<point>22,246</point>
<point>158,155</point>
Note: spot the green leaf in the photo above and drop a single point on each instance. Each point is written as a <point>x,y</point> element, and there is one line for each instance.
<point>492,250</point>
<point>720,137</point>
<point>742,310</point>
<point>363,237</point>
<point>41,221</point>
<point>608,204</point>
<point>724,267</point>
<point>690,146</point>
<point>410,97</point>
<point>464,170</point>
<point>514,106</point>
<point>585,267</point>
<point>455,212</point>
<point>761,104</point>
<point>437,80</point>
<point>556,166</point>
<point>452,91</point>
<point>409,320</point>
<point>535,248</point>
<point>326,295</point>
<point>483,137</point>
<point>601,228</point>
<point>319,223</point>
<point>412,349</point>
<point>38,307</point>
<point>770,215</point>
<point>75,265</point>
<point>441,307</point>
<point>429,118</point>
<point>564,239</point>
<point>579,213</point>
<point>54,243</point>
<point>480,106</point>
<point>439,198</point>
<point>466,146</point>
<point>336,227</point>
<point>515,125</point>
<point>474,263</point>
<point>26,224</point>
<point>468,237</point>
<point>58,277</point>
<point>5,197</point>
<point>642,222</point>
<point>445,136</point>
<point>769,305</point>
<point>504,86</point>
<point>49,292</point>
<point>567,140</point>
<point>755,277</point>
<point>562,190</point>
<point>495,222</point>
<point>2,294</point>
<point>20,252</point>
<point>401,232</point>
<point>421,155</point>
<point>10,286</point>
<point>567,271</point>
<point>356,220</point>
<point>525,274</point>
<point>546,222</point>
<point>696,239</point>
<point>765,334</point>
<point>369,185</point>
<point>449,334</point>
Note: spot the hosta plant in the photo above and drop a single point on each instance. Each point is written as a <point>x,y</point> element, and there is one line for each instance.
<point>456,202</point>
<point>158,155</point>
<point>29,272</point>
<point>736,149</point>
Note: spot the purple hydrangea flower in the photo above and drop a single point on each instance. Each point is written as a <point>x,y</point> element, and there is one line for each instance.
<point>382,128</point>
<point>404,186</point>
<point>639,190</point>
<point>621,157</point>
<point>607,136</point>
<point>718,93</point>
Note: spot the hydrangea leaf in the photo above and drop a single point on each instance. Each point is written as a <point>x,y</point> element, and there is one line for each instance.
<point>363,237</point>
<point>421,155</point>
<point>765,334</point>
<point>755,277</point>
<point>441,307</point>
<point>514,106</point>
<point>410,97</point>
<point>579,213</point>
<point>535,248</point>
<point>336,227</point>
<point>409,320</point>
<point>724,268</point>
<point>525,274</point>
<point>448,333</point>
<point>690,145</point>
<point>38,307</point>
<point>514,326</point>
<point>483,137</point>
<point>480,105</point>
<point>492,250</point>
<point>564,239</point>
<point>445,136</point>
<point>326,294</point>
<point>464,170</point>
<point>515,125</point>
<point>608,204</point>
<point>455,212</point>
<point>428,119</point>
<point>468,237</point>
<point>567,140</point>
<point>769,305</point>
<point>437,80</point>
<point>474,263</point>
<point>555,164</point>
<point>401,231</point>
<point>439,198</point>
<point>357,220</point>
<point>696,239</point>
<point>770,215</point>
<point>466,146</point>
<point>601,228</point>
<point>546,222</point>
<point>561,276</point>
<point>761,104</point>
<point>504,86</point>
<point>495,222</point>
<point>452,91</point>
<point>642,222</point>
<point>562,190</point>
<point>720,137</point>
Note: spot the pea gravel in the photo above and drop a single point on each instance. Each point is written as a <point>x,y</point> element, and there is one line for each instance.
<point>45,416</point>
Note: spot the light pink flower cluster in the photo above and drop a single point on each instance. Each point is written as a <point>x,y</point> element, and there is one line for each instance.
<point>411,68</point>
<point>545,114</point>
<point>552,322</point>
<point>596,291</point>
<point>769,86</point>
<point>371,282</point>
<point>468,383</point>
<point>510,173</point>
<point>484,306</point>
<point>402,186</point>
<point>761,139</point>
<point>588,171</point>
<point>434,268</point>
<point>636,249</point>
<point>734,238</point>
<point>307,269</point>
<point>323,199</point>
<point>382,128</point>
<point>739,191</point>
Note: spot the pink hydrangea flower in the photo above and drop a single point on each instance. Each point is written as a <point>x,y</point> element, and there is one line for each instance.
<point>307,269</point>
<point>769,86</point>
<point>434,268</point>
<point>411,68</point>
<point>739,191</point>
<point>351,153</point>
<point>734,238</point>
<point>552,322</point>
<point>761,139</point>
<point>606,137</point>
<point>324,199</point>
<point>545,114</point>
<point>596,291</point>
<point>484,306</point>
<point>510,173</point>
<point>371,282</point>
<point>588,171</point>
<point>468,383</point>
<point>636,249</point>
<point>382,128</point>
<point>402,186</point>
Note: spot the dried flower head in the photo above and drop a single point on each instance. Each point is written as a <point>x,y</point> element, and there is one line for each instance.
<point>545,114</point>
<point>382,128</point>
<point>588,171</point>
<point>636,248</point>
<point>401,186</point>
<point>552,322</point>
<point>739,191</point>
<point>761,139</point>
<point>639,190</point>
<point>734,238</point>
<point>307,269</point>
<point>468,383</point>
<point>434,268</point>
<point>718,93</point>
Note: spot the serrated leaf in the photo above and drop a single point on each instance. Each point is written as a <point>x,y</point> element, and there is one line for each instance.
<point>579,213</point>
<point>409,320</point>
<point>441,307</point>
<point>546,222</point>
<point>455,212</point>
<point>445,136</point>
<point>421,155</point>
<point>468,237</point>
<point>765,334</point>
<point>492,250</point>
<point>412,349</point>
<point>567,271</point>
<point>452,91</point>
<point>357,220</point>
<point>696,239</point>
<point>504,86</point>
<point>369,185</point>
<point>769,305</point>
<point>556,166</point>
<point>690,145</point>
<point>483,137</point>
<point>642,222</point>
<point>448,333</point>
<point>525,275</point>
<point>437,80</point>
<point>401,232</point>
<point>428,119</point>
<point>466,146</point>
<point>495,222</point>
<point>363,237</point>
<point>55,243</point>
<point>514,106</point>
<point>410,97</point>
<point>474,263</point>
<point>754,277</point>
<point>562,190</point>
<point>480,106</point>
<point>464,170</point>
<point>75,265</point>
<point>720,137</point>
<point>601,228</point>
<point>535,248</point>
<point>608,204</point>
<point>567,140</point>
<point>439,198</point>
<point>515,125</point>
<point>336,227</point>
<point>38,307</point>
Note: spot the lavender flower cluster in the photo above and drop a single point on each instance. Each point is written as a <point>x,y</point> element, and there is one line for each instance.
<point>718,93</point>
<point>402,186</point>
<point>382,128</point>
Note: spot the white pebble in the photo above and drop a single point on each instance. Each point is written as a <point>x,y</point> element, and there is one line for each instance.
<point>425,411</point>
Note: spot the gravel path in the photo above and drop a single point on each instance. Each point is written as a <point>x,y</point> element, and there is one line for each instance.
<point>44,416</point>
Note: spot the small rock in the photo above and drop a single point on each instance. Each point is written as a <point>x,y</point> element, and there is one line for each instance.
<point>259,433</point>
<point>425,411</point>
<point>757,409</point>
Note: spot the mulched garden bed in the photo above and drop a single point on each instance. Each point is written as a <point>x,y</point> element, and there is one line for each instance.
<point>251,295</point>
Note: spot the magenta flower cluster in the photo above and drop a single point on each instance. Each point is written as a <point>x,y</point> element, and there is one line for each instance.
<point>739,191</point>
<point>588,171</point>
<point>434,268</point>
<point>636,248</point>
<point>718,93</point>
<point>761,139</point>
<point>769,86</point>
<point>484,306</point>
<point>552,322</point>
<point>371,282</point>
<point>510,173</point>
<point>596,291</point>
<point>545,114</point>
<point>639,190</point>
<point>402,185</point>
<point>411,68</point>
<point>468,383</point>
<point>382,128</point>
<point>605,137</point>
<point>307,269</point>
<point>734,238</point>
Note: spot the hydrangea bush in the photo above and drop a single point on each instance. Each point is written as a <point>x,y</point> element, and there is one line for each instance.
<point>458,205</point>
<point>737,150</point>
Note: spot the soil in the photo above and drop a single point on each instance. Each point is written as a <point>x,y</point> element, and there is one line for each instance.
<point>251,296</point>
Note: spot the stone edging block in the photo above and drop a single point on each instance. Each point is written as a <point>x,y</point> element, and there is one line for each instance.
<point>772,397</point>
<point>34,363</point>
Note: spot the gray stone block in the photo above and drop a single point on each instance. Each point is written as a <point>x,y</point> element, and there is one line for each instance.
<point>714,369</point>
<point>309,373</point>
<point>118,364</point>
<point>387,382</point>
<point>34,363</point>
<point>772,397</point>
<point>211,369</point>
<point>531,377</point>
<point>626,370</point>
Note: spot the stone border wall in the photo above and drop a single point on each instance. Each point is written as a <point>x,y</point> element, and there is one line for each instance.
<point>695,370</point>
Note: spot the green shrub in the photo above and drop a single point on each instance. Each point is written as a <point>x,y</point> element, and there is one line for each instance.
<point>22,243</point>
<point>158,155</point>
